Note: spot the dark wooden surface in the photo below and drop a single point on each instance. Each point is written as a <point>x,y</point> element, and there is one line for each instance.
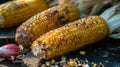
<point>94,53</point>
<point>7,35</point>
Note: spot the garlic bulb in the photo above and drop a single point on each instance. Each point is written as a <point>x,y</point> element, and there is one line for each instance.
<point>9,50</point>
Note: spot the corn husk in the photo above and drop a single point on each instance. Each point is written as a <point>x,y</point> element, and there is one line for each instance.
<point>88,7</point>
<point>112,17</point>
<point>52,3</point>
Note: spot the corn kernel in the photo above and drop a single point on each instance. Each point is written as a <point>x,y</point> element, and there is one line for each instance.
<point>83,53</point>
<point>95,65</point>
<point>53,61</point>
<point>72,63</point>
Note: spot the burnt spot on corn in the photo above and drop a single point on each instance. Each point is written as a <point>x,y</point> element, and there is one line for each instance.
<point>52,13</point>
<point>66,10</point>
<point>49,15</point>
<point>64,22</point>
<point>90,18</point>
<point>83,23</point>
<point>60,18</point>
<point>76,24</point>
<point>23,38</point>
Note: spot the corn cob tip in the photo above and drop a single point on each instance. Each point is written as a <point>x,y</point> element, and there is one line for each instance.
<point>22,38</point>
<point>38,50</point>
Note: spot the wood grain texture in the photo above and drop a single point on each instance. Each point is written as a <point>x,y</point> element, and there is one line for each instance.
<point>7,35</point>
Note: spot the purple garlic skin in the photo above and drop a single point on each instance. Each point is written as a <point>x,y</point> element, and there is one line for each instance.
<point>9,50</point>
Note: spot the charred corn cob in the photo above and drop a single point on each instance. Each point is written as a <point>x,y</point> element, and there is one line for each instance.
<point>70,37</point>
<point>15,12</point>
<point>45,21</point>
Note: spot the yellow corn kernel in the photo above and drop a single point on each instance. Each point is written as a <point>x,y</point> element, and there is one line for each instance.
<point>95,65</point>
<point>70,37</point>
<point>15,12</point>
<point>53,61</point>
<point>83,53</point>
<point>45,21</point>
<point>72,63</point>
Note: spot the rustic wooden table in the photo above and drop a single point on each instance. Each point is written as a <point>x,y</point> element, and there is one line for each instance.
<point>106,51</point>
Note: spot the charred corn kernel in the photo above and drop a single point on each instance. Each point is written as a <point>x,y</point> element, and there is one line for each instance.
<point>15,12</point>
<point>70,37</point>
<point>45,21</point>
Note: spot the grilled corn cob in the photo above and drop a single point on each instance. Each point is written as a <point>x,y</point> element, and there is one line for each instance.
<point>15,12</point>
<point>44,22</point>
<point>70,37</point>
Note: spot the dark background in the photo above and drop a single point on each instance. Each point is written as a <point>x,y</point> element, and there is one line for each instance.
<point>2,1</point>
